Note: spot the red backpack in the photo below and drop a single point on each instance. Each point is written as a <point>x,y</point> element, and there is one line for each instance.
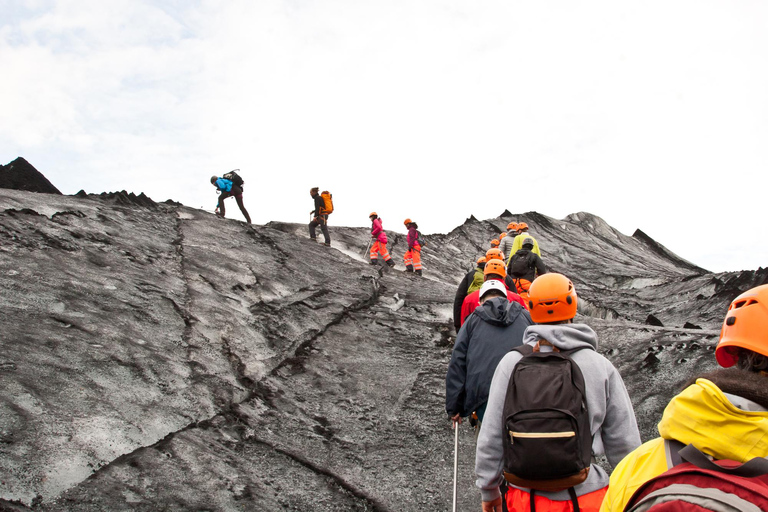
<point>701,484</point>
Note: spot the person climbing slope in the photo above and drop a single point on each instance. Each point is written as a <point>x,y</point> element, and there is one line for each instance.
<point>506,243</point>
<point>521,440</point>
<point>494,270</point>
<point>524,266</point>
<point>228,188</point>
<point>320,218</point>
<point>723,413</point>
<point>412,257</point>
<point>517,243</point>
<point>472,281</point>
<point>493,330</point>
<point>379,245</point>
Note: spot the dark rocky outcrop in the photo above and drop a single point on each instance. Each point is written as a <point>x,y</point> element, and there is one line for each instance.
<point>156,357</point>
<point>21,175</point>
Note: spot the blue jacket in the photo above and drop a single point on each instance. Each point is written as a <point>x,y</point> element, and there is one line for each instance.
<point>495,328</point>
<point>224,185</point>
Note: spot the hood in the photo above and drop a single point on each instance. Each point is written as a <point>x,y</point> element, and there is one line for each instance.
<point>701,414</point>
<point>563,336</point>
<point>499,311</point>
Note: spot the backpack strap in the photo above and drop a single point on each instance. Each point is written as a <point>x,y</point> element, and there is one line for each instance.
<point>750,469</point>
<point>523,349</point>
<point>672,449</point>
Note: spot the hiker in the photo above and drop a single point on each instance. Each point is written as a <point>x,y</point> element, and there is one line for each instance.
<point>506,243</point>
<point>379,245</point>
<point>495,254</point>
<point>229,189</point>
<point>412,257</point>
<point>493,330</point>
<point>320,217</point>
<point>517,243</point>
<point>493,270</point>
<point>524,266</point>
<point>472,281</point>
<point>723,413</point>
<point>494,243</point>
<point>608,420</point>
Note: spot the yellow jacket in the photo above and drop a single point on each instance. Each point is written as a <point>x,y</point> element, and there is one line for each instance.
<point>701,415</point>
<point>517,244</point>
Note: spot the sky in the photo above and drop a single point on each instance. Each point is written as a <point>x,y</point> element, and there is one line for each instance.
<point>652,115</point>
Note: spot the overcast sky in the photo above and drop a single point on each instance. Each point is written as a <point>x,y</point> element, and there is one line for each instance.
<point>651,115</point>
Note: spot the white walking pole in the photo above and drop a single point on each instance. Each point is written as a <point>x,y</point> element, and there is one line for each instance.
<point>455,462</point>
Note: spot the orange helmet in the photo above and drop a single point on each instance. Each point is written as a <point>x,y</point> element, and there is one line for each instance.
<point>745,326</point>
<point>502,235</point>
<point>495,242</point>
<point>552,298</point>
<point>373,214</point>
<point>522,225</point>
<point>407,221</point>
<point>481,260</point>
<point>512,226</point>
<point>494,266</point>
<point>494,254</point>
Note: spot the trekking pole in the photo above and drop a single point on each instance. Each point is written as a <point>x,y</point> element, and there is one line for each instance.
<point>455,461</point>
<point>368,247</point>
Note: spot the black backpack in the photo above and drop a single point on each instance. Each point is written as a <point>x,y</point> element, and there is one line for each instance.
<point>547,438</point>
<point>520,264</point>
<point>234,178</point>
<point>420,238</point>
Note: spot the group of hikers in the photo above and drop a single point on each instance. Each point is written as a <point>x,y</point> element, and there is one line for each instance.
<point>231,185</point>
<point>545,404</point>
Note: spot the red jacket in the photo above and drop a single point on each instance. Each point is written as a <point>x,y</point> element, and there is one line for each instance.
<point>472,301</point>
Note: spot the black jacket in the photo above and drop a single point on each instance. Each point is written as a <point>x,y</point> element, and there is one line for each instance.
<point>535,266</point>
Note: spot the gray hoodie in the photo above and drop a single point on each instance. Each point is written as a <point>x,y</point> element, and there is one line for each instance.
<point>614,428</point>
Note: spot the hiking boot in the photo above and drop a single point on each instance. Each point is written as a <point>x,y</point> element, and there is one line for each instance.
<point>418,272</point>
<point>374,262</point>
<point>409,268</point>
<point>390,263</point>
<point>327,244</point>
<point>313,240</point>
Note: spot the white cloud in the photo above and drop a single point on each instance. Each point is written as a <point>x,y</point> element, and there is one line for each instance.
<point>652,116</point>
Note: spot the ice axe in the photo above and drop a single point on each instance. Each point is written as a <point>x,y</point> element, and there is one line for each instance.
<point>455,461</point>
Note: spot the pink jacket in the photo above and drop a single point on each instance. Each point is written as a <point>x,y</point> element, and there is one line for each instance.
<point>377,231</point>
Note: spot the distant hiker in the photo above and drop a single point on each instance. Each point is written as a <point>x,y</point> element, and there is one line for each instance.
<point>723,413</point>
<point>524,266</point>
<point>228,188</point>
<point>494,242</point>
<point>530,406</point>
<point>496,254</point>
<point>493,330</point>
<point>320,217</point>
<point>517,244</point>
<point>412,257</point>
<point>494,270</point>
<point>472,281</point>
<point>379,245</point>
<point>506,243</point>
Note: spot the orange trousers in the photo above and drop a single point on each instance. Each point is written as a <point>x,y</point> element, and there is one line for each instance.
<point>520,501</point>
<point>379,248</point>
<point>522,286</point>
<point>412,257</point>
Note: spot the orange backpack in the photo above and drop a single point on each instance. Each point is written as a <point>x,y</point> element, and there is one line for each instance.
<point>328,199</point>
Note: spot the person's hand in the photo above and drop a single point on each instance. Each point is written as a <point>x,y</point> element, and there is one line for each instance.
<point>456,418</point>
<point>492,506</point>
